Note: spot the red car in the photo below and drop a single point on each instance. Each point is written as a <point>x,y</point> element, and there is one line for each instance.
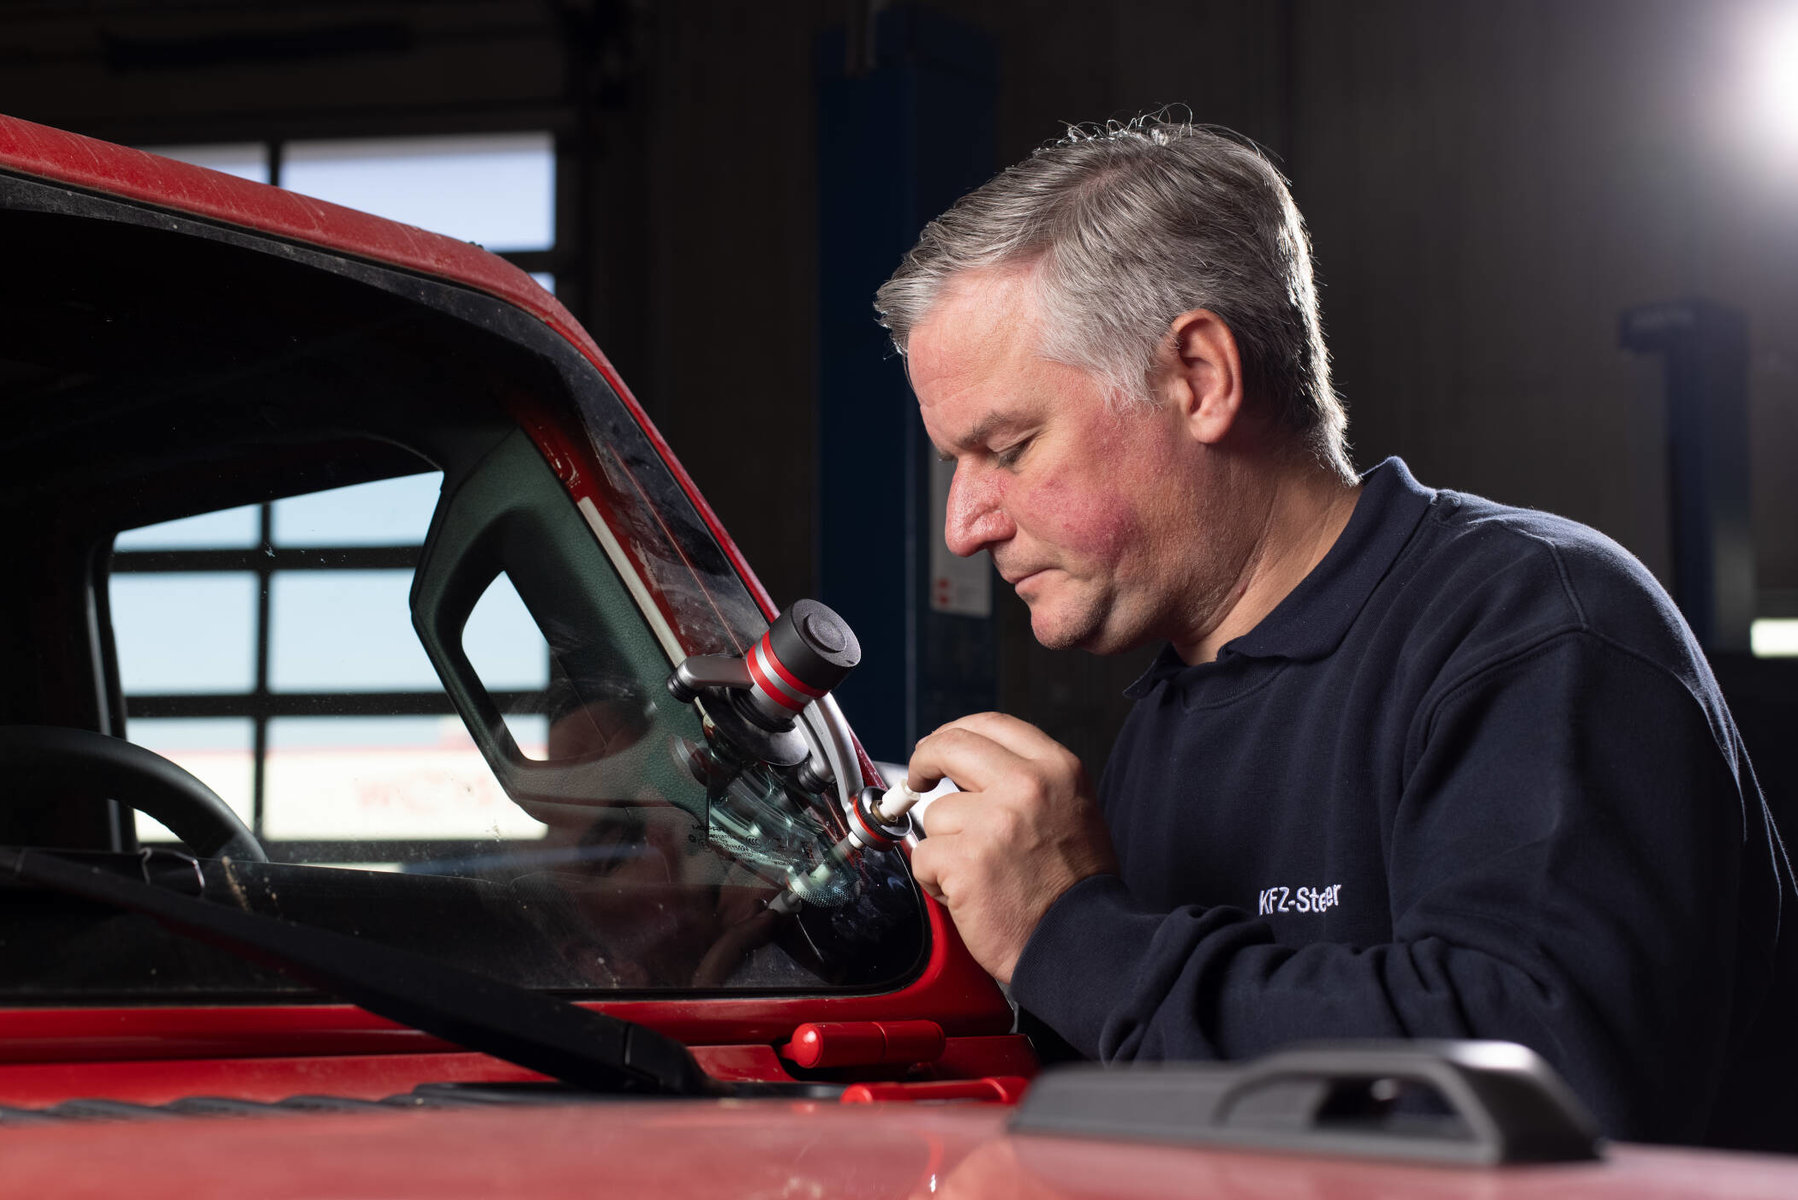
<point>398,752</point>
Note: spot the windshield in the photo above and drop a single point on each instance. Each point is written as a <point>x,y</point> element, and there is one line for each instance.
<point>388,567</point>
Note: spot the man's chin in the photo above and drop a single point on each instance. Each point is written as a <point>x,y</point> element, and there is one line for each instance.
<point>1067,631</point>
<point>1059,629</point>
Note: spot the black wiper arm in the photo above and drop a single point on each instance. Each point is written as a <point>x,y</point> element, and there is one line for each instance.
<point>539,1032</point>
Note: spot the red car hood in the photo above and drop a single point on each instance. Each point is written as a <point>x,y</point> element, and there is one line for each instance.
<point>768,1148</point>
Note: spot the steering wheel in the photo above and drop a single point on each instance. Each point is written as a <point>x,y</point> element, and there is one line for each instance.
<point>36,758</point>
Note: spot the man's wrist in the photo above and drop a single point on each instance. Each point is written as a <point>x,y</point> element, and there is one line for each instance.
<point>1073,945</point>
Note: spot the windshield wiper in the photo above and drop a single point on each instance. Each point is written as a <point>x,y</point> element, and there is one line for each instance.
<point>539,1032</point>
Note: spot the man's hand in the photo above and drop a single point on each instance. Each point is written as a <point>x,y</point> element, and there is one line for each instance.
<point>1023,830</point>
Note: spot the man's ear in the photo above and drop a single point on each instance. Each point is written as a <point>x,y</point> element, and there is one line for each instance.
<point>1201,374</point>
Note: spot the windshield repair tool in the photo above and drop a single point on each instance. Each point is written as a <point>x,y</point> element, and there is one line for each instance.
<point>755,700</point>
<point>878,821</point>
<point>753,705</point>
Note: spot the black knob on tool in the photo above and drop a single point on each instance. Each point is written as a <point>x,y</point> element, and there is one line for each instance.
<point>805,653</point>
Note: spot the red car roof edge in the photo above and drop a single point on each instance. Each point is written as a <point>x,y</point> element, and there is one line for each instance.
<point>92,165</point>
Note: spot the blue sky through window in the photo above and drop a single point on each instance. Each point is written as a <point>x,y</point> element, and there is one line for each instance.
<point>388,512</point>
<point>232,529</point>
<point>185,632</point>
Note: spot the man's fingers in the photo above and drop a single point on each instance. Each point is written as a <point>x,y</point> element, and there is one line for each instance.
<point>948,814</point>
<point>926,868</point>
<point>981,748</point>
<point>1020,737</point>
<point>973,760</point>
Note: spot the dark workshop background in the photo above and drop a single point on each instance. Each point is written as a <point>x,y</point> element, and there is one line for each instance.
<point>1489,186</point>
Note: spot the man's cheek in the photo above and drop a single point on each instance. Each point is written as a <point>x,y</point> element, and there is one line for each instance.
<point>1091,521</point>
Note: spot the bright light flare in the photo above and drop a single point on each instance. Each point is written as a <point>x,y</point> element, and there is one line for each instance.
<point>1771,80</point>
<point>1774,638</point>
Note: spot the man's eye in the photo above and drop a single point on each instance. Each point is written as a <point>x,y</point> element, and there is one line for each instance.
<point>1010,455</point>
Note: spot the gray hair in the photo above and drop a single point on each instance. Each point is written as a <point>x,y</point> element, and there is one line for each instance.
<point>1127,226</point>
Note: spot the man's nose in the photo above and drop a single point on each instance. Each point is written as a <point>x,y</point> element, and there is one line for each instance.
<point>975,519</point>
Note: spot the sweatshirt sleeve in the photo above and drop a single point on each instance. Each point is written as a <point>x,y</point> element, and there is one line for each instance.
<point>1563,871</point>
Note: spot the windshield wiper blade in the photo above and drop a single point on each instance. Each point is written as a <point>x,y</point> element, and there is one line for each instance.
<point>539,1032</point>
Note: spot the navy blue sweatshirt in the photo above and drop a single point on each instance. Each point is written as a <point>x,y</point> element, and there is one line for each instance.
<point>1471,778</point>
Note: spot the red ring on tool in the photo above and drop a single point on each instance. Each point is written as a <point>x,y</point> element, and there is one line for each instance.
<point>769,686</point>
<point>792,681</point>
<point>881,838</point>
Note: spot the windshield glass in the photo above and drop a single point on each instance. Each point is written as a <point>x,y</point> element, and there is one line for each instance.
<point>388,567</point>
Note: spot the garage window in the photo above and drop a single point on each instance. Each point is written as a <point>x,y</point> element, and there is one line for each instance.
<point>497,190</point>
<point>269,650</point>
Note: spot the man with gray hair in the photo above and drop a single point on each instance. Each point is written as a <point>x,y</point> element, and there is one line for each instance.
<point>1410,763</point>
